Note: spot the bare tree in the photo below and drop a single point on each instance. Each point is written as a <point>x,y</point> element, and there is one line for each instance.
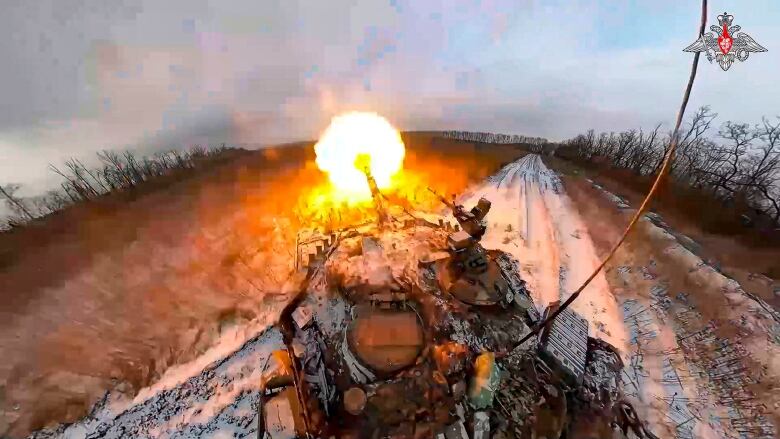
<point>117,172</point>
<point>586,144</point>
<point>92,174</point>
<point>149,168</point>
<point>645,150</point>
<point>762,169</point>
<point>624,142</point>
<point>55,201</point>
<point>766,162</point>
<point>116,169</point>
<point>79,174</point>
<point>180,159</point>
<point>197,152</point>
<point>12,201</point>
<point>744,165</point>
<point>162,160</point>
<point>47,203</point>
<point>699,124</point>
<point>739,137</point>
<point>132,166</point>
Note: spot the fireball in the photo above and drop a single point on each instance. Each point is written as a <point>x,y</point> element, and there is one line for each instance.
<point>356,140</point>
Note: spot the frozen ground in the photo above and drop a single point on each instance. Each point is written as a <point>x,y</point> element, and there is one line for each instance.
<point>532,218</point>
<point>703,352</point>
<point>700,353</point>
<point>701,357</point>
<point>120,292</point>
<point>213,396</point>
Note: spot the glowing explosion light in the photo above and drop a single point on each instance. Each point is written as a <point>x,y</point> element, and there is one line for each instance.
<point>359,137</point>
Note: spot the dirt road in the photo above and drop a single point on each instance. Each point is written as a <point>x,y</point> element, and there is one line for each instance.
<point>532,218</point>
<point>699,353</point>
<point>703,351</point>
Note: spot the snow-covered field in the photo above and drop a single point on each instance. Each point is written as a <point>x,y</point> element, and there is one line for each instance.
<point>218,402</point>
<point>703,352</point>
<point>701,355</point>
<point>692,371</point>
<point>155,284</point>
<point>532,218</point>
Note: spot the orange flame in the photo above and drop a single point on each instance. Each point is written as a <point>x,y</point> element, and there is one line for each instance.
<point>355,139</point>
<point>352,141</point>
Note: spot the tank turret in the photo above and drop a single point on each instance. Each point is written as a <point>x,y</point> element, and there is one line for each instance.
<point>394,337</point>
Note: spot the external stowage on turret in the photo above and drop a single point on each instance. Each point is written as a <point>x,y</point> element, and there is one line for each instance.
<point>392,337</point>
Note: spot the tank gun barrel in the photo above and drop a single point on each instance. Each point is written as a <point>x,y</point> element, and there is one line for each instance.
<point>449,204</point>
<point>384,218</point>
<point>457,210</point>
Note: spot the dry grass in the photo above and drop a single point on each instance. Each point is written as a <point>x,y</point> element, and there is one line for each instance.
<point>700,215</point>
<point>750,255</point>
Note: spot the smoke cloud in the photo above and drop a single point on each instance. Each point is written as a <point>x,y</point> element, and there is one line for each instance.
<point>82,76</point>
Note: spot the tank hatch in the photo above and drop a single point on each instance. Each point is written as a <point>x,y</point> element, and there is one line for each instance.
<point>386,340</point>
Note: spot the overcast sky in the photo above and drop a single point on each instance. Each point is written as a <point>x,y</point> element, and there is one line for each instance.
<point>77,76</point>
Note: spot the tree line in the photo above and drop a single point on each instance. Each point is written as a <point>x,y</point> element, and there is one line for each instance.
<point>116,171</point>
<point>740,162</point>
<point>494,138</point>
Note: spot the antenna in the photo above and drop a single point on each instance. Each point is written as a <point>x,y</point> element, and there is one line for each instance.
<point>661,174</point>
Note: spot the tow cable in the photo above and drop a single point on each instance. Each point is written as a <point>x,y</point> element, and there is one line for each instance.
<point>645,203</point>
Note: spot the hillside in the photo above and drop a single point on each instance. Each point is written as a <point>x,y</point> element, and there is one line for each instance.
<point>113,292</point>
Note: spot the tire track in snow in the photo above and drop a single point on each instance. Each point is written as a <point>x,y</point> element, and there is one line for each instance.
<point>534,220</point>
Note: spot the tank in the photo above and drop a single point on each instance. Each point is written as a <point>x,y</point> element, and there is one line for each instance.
<point>406,328</point>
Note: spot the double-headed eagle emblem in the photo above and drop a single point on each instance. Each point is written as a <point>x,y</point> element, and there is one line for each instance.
<point>725,43</point>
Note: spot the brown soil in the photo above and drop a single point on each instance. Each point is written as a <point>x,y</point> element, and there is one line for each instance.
<point>118,290</point>
<point>750,255</point>
<point>606,223</point>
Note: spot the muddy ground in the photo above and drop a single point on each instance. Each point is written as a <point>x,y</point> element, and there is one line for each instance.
<point>115,293</point>
<point>700,349</point>
<point>177,276</point>
<point>703,343</point>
